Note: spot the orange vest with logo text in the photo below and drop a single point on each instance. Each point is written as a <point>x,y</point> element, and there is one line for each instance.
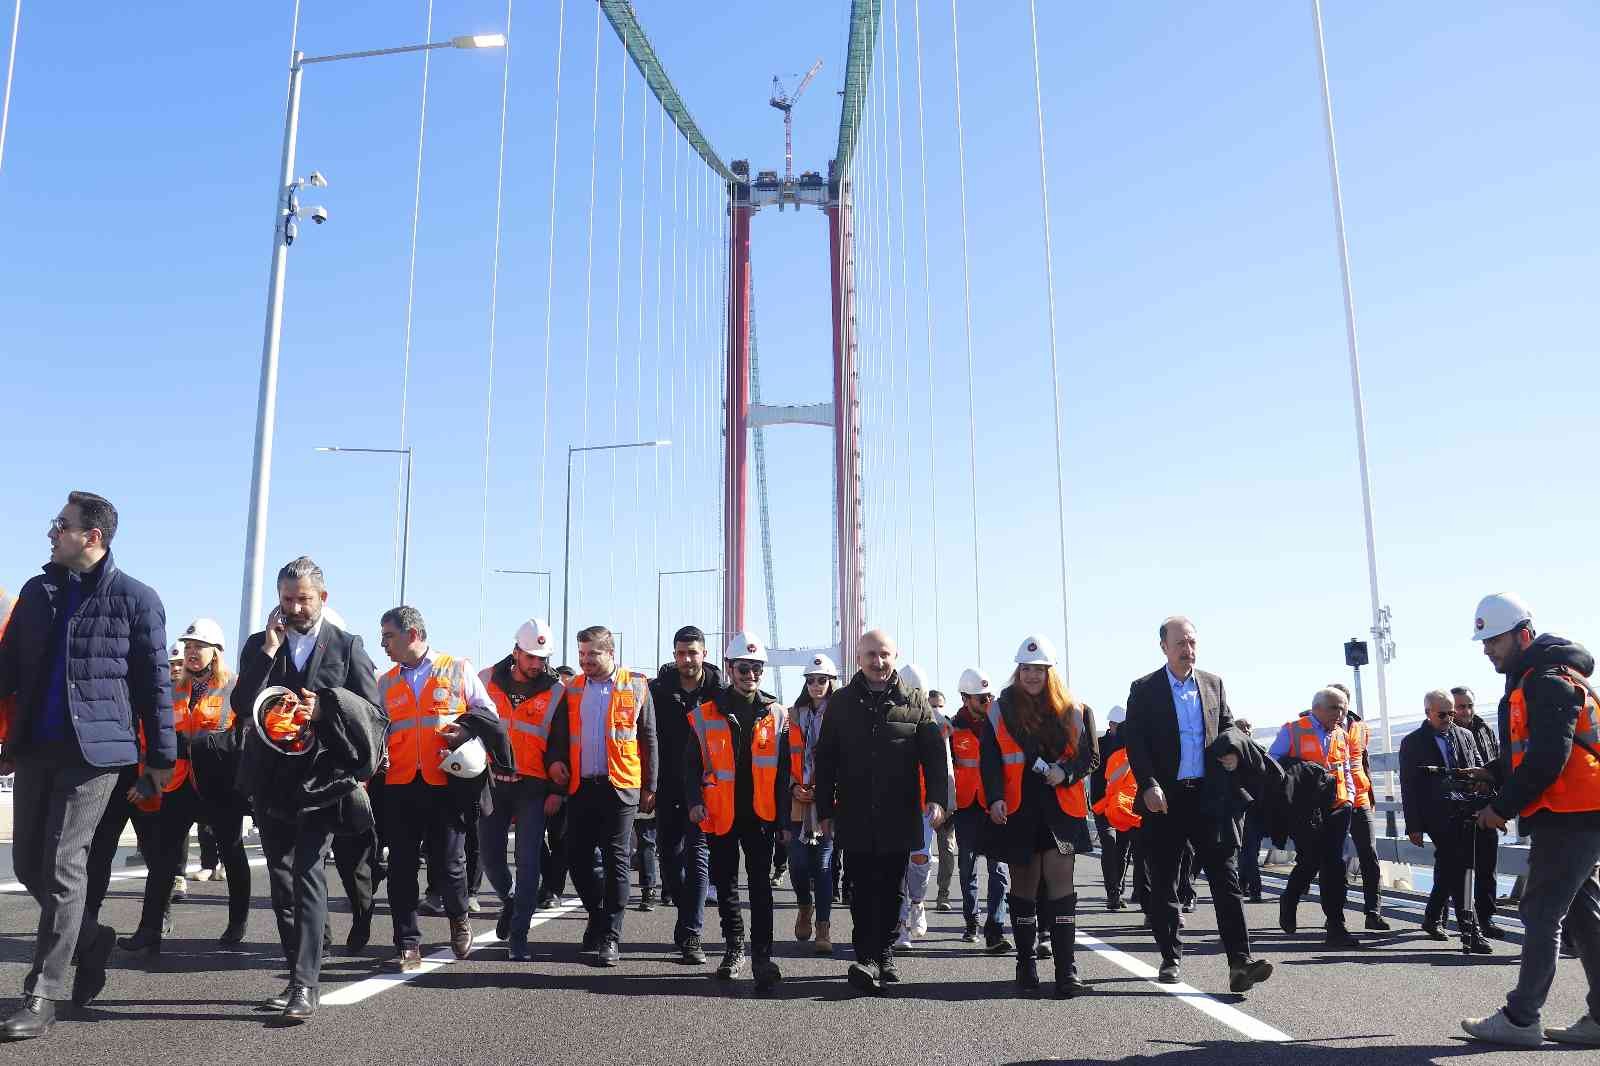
<point>715,737</point>
<point>628,694</point>
<point>964,759</point>
<point>211,714</point>
<point>1578,786</point>
<point>415,744</point>
<point>1305,745</point>
<point>1071,797</point>
<point>527,724</point>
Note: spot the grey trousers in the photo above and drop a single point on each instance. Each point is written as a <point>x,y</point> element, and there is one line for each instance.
<point>1561,886</point>
<point>57,808</point>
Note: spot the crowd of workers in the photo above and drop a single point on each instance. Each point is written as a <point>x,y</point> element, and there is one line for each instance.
<point>854,789</point>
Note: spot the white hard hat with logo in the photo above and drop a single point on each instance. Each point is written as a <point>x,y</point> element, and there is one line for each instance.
<point>204,631</point>
<point>535,637</point>
<point>176,654</point>
<point>745,645</point>
<point>1036,651</point>
<point>822,666</point>
<point>911,674</point>
<point>975,682</point>
<point>469,760</point>
<point>1497,614</point>
<point>1118,715</point>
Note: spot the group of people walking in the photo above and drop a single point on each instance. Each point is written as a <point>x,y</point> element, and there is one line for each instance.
<point>329,757</point>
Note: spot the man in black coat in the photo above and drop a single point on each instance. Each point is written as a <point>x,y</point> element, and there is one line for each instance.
<point>880,745</point>
<point>306,653</point>
<point>1174,715</point>
<point>84,658</point>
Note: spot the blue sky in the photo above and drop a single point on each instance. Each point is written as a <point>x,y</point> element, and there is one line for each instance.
<point>1208,439</point>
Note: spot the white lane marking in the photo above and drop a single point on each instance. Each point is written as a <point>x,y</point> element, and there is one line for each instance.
<point>1233,1018</point>
<point>352,994</point>
<point>129,873</point>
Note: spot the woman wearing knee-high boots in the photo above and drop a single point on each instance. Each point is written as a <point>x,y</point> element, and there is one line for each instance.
<point>1035,754</point>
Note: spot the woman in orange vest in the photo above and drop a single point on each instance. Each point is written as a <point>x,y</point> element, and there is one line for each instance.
<point>1038,750</point>
<point>810,850</point>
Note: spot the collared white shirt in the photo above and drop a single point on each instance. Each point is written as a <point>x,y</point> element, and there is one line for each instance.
<point>302,644</point>
<point>594,712</point>
<point>476,695</point>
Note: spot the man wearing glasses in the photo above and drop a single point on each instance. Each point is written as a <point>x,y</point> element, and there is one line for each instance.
<point>1486,842</point>
<point>85,659</point>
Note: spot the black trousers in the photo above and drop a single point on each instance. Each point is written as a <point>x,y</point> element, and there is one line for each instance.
<point>359,857</point>
<point>1361,834</point>
<point>295,854</point>
<point>1485,856</point>
<point>179,812</point>
<point>877,880</point>
<point>755,840</point>
<point>1113,858</point>
<point>1454,845</point>
<point>597,817</point>
<point>107,837</point>
<point>418,815</point>
<point>553,859</point>
<point>1320,856</point>
<point>1163,838</point>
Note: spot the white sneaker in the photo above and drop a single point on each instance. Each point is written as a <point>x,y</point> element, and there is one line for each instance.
<point>902,940</point>
<point>203,875</point>
<point>919,920</point>
<point>1498,1029</point>
<point>180,888</point>
<point>1585,1031</point>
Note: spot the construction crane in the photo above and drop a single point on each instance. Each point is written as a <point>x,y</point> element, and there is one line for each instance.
<point>785,101</point>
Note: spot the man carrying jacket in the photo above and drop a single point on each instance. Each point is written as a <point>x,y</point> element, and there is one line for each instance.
<point>83,659</point>
<point>1548,778</point>
<point>879,746</point>
<point>680,687</point>
<point>735,784</point>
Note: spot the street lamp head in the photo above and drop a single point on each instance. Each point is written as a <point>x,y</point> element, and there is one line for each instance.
<point>479,40</point>
<point>661,444</point>
<point>321,448</point>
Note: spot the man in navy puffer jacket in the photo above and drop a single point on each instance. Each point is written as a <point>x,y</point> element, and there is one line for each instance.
<point>85,658</point>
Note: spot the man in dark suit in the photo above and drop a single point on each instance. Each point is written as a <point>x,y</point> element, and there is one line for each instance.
<point>1439,805</point>
<point>307,654</point>
<point>1174,714</point>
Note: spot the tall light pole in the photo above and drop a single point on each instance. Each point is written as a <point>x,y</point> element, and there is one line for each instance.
<point>405,520</point>
<point>566,565</point>
<point>11,66</point>
<point>285,217</point>
<point>669,573</point>
<point>549,586</point>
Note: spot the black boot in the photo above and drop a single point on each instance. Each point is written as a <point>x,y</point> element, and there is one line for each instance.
<point>1025,927</point>
<point>1041,945</point>
<point>1064,922</point>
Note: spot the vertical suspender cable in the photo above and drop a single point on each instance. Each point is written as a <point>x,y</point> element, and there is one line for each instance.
<point>1055,373</point>
<point>927,293</point>
<point>655,363</point>
<point>11,67</point>
<point>905,329</point>
<point>638,350</point>
<point>966,290</point>
<point>616,349</point>
<point>494,301</point>
<point>550,272</point>
<point>588,291</point>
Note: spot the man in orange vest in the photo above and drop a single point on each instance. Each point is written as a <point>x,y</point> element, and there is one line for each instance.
<point>602,750</point>
<point>972,813</point>
<point>736,785</point>
<point>1317,737</point>
<point>435,703</point>
<point>1548,778</point>
<point>1358,735</point>
<point>526,692</point>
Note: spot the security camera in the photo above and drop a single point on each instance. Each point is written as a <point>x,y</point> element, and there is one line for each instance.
<point>319,215</point>
<point>290,232</point>
<point>316,180</point>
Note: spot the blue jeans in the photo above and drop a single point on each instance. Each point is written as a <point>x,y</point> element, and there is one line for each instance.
<point>1560,886</point>
<point>811,873</point>
<point>524,802</point>
<point>969,830</point>
<point>685,866</point>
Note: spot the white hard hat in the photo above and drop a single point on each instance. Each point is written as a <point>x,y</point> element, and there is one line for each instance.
<point>1497,614</point>
<point>469,760</point>
<point>204,631</point>
<point>334,618</point>
<point>975,682</point>
<point>176,654</point>
<point>1036,651</point>
<point>745,645</point>
<point>821,666</point>
<point>535,637</point>
<point>912,676</point>
<point>264,702</point>
<point>1118,715</point>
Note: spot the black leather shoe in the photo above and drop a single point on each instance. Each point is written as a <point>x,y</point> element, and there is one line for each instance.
<point>302,1004</point>
<point>1246,975</point>
<point>1288,919</point>
<point>32,1019</point>
<point>998,947</point>
<point>1168,974</point>
<point>1433,932</point>
<point>281,1000</point>
<point>143,942</point>
<point>863,976</point>
<point>1340,938</point>
<point>502,924</point>
<point>1474,944</point>
<point>1493,931</point>
<point>1255,896</point>
<point>766,973</point>
<point>610,952</point>
<point>360,930</point>
<point>89,980</point>
<point>234,934</point>
<point>888,973</point>
<point>732,964</point>
<point>1377,923</point>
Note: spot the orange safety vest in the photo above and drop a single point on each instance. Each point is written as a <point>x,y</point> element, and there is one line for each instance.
<point>527,724</point>
<point>1307,747</point>
<point>964,757</point>
<point>211,714</point>
<point>715,736</point>
<point>1070,797</point>
<point>1578,786</point>
<point>628,694</point>
<point>415,744</point>
<point>797,749</point>
<point>1358,735</point>
<point>1121,791</point>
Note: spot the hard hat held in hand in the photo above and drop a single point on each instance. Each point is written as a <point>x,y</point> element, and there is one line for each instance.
<point>469,760</point>
<point>535,637</point>
<point>282,721</point>
<point>204,631</point>
<point>975,682</point>
<point>822,666</point>
<point>1036,651</point>
<point>911,675</point>
<point>1497,614</point>
<point>746,646</point>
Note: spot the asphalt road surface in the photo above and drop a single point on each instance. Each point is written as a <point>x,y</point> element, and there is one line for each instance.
<point>1396,1001</point>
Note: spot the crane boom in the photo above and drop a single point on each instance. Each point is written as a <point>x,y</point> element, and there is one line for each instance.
<point>785,101</point>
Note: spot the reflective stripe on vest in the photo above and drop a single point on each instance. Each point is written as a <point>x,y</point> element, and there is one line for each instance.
<point>1357,735</point>
<point>965,751</point>
<point>1305,745</point>
<point>414,742</point>
<point>1070,797</point>
<point>623,768</point>
<point>527,726</point>
<point>213,715</point>
<point>718,761</point>
<point>1577,787</point>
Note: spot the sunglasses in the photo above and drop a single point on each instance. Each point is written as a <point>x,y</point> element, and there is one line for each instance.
<point>61,525</point>
<point>749,669</point>
<point>818,679</point>
<point>985,698</point>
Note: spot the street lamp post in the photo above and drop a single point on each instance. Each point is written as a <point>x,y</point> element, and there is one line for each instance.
<point>549,585</point>
<point>669,573</point>
<point>566,565</point>
<point>405,520</point>
<point>285,215</point>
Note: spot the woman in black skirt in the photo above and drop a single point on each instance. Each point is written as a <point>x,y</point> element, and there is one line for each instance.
<point>1035,755</point>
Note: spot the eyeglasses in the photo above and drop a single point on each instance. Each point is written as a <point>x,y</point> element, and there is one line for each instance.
<point>985,698</point>
<point>751,669</point>
<point>61,525</point>
<point>818,679</point>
